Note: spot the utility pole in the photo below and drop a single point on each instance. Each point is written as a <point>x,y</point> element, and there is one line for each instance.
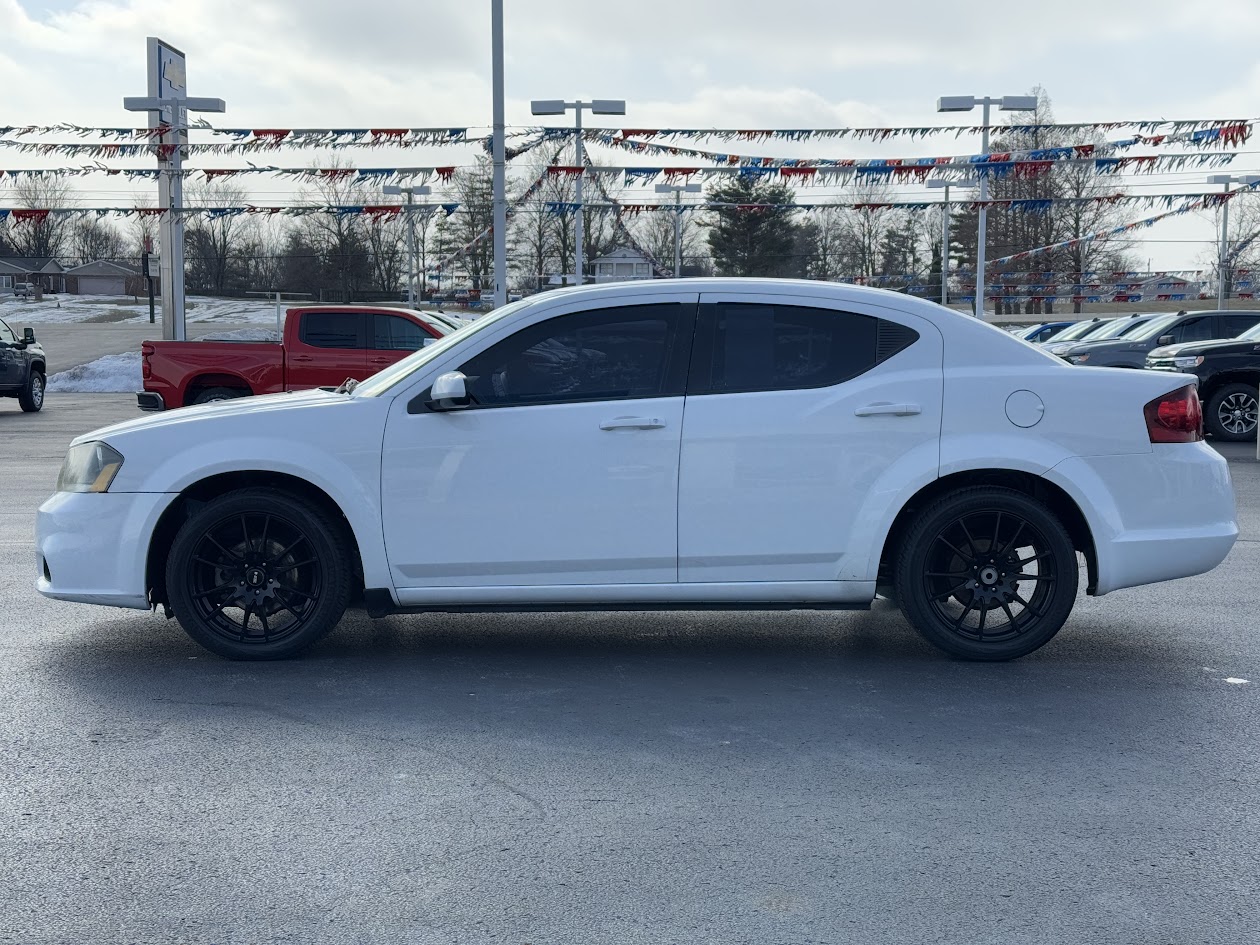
<point>168,105</point>
<point>678,190</point>
<point>940,182</point>
<point>411,235</point>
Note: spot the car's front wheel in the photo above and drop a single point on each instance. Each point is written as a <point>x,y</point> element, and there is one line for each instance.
<point>31,397</point>
<point>1232,412</point>
<point>987,573</point>
<point>258,575</point>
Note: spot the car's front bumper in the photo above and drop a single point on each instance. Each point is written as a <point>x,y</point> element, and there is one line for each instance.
<point>93,548</point>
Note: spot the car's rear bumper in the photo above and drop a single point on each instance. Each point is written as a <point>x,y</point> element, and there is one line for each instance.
<point>150,400</point>
<point>1154,516</point>
<point>93,548</point>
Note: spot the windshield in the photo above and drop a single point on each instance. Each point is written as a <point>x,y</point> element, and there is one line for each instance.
<point>1119,328</point>
<point>378,384</point>
<point>1154,328</point>
<point>1078,330</point>
<point>1251,334</point>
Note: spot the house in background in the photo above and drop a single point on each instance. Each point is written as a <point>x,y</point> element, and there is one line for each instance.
<point>43,271</point>
<point>622,265</point>
<point>104,278</point>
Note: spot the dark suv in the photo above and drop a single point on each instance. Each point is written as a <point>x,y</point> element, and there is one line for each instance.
<point>1228,373</point>
<point>1131,350</point>
<point>22,368</point>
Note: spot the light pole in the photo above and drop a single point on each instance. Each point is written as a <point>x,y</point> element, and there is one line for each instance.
<point>1225,180</point>
<point>600,106</point>
<point>498,156</point>
<point>678,190</point>
<point>939,182</point>
<point>394,189</point>
<point>965,103</point>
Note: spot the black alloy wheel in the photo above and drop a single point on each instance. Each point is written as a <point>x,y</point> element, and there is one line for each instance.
<point>1231,413</point>
<point>213,395</point>
<point>987,573</point>
<point>257,574</point>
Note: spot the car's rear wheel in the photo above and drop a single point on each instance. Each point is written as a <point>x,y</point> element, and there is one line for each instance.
<point>987,573</point>
<point>258,575</point>
<point>212,394</point>
<point>1232,412</point>
<point>31,397</point>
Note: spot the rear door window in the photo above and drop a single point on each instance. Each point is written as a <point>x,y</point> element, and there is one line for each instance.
<point>332,329</point>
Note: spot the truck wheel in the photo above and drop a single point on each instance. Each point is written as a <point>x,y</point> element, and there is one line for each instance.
<point>31,397</point>
<point>1231,413</point>
<point>211,394</point>
<point>987,573</point>
<point>258,575</point>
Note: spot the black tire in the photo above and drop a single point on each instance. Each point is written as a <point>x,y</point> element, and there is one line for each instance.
<point>212,394</point>
<point>31,397</point>
<point>258,575</point>
<point>965,558</point>
<point>1231,413</point>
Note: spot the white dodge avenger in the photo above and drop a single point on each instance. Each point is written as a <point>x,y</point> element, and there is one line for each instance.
<point>715,443</point>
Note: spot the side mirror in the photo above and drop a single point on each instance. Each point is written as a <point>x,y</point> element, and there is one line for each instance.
<point>28,336</point>
<point>449,392</point>
<point>1165,340</point>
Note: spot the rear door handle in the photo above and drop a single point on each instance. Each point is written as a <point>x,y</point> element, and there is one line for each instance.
<point>301,357</point>
<point>632,423</point>
<point>378,361</point>
<point>888,410</point>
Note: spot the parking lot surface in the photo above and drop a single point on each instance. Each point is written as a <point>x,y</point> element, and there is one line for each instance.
<point>625,778</point>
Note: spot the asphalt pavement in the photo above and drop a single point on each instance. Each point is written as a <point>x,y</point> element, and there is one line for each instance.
<point>625,778</point>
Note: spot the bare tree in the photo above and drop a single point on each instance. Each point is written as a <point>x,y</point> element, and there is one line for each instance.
<point>655,230</point>
<point>93,238</point>
<point>48,235</point>
<point>216,236</point>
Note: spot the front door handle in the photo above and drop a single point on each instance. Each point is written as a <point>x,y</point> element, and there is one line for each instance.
<point>888,410</point>
<point>632,423</point>
<point>378,361</point>
<point>301,357</point>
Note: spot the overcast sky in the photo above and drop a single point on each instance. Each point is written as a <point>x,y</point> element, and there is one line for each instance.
<point>327,63</point>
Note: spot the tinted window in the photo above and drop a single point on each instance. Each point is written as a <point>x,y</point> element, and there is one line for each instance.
<point>1235,325</point>
<point>609,354</point>
<point>332,329</point>
<point>1196,329</point>
<point>6,335</point>
<point>747,347</point>
<point>395,333</point>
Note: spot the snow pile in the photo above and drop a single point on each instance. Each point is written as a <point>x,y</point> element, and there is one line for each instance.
<point>112,374</point>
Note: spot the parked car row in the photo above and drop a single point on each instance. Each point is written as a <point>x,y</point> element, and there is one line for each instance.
<point>1220,348</point>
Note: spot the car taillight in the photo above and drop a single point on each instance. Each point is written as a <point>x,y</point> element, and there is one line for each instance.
<point>1177,417</point>
<point>146,350</point>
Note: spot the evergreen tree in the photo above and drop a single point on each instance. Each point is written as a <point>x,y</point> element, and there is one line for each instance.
<point>754,240</point>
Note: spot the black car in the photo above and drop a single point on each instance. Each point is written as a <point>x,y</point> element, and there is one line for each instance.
<point>22,368</point>
<point>1130,351</point>
<point>1228,373</point>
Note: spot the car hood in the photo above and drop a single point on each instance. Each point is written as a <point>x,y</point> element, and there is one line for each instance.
<point>219,411</point>
<point>1219,346</point>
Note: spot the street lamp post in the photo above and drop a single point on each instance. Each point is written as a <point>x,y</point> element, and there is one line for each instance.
<point>411,192</point>
<point>1247,180</point>
<point>599,106</point>
<point>498,156</point>
<point>678,190</point>
<point>941,182</point>
<point>965,103</point>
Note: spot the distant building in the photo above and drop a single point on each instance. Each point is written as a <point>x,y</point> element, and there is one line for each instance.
<point>623,265</point>
<point>103,278</point>
<point>43,271</point>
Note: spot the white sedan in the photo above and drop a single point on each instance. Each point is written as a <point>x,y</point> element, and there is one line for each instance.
<point>717,443</point>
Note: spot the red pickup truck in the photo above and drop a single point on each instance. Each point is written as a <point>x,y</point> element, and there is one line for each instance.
<point>322,346</point>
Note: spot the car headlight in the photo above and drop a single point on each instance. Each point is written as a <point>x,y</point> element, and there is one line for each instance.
<point>89,467</point>
<point>1079,358</point>
<point>1188,362</point>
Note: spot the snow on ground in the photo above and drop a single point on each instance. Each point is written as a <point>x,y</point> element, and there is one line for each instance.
<point>242,334</point>
<point>114,373</point>
<point>110,309</point>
